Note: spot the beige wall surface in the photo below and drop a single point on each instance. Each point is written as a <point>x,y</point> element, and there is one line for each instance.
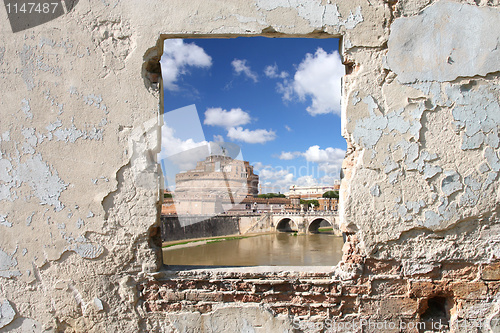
<point>79,132</point>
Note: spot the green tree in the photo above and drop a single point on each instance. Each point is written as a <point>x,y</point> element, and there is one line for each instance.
<point>271,195</point>
<point>309,202</point>
<point>331,195</point>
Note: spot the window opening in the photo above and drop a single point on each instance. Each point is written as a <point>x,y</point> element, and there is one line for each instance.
<point>251,151</point>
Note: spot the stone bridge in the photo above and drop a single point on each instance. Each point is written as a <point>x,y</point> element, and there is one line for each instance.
<point>304,222</point>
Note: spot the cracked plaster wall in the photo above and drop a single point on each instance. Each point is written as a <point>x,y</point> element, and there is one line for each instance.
<point>78,184</point>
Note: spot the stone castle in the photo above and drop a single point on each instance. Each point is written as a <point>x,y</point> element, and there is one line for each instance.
<point>216,185</point>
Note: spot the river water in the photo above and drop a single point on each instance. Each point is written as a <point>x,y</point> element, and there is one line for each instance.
<point>280,249</point>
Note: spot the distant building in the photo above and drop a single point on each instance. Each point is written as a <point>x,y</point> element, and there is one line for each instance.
<point>167,207</point>
<point>261,205</point>
<point>315,191</point>
<point>297,193</point>
<point>214,186</point>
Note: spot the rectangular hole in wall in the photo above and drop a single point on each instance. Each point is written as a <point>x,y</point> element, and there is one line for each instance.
<point>251,152</point>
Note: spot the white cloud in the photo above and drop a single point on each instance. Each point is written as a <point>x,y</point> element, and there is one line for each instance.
<point>288,128</point>
<point>318,155</point>
<point>248,136</point>
<point>323,169</point>
<point>177,57</point>
<point>273,73</point>
<point>218,138</point>
<point>172,146</point>
<point>289,155</point>
<point>306,181</point>
<point>224,118</point>
<point>319,78</point>
<point>274,179</point>
<point>258,165</point>
<point>240,66</point>
<point>329,159</point>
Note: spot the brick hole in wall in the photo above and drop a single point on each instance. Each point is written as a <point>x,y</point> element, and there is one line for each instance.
<point>152,76</point>
<point>437,312</point>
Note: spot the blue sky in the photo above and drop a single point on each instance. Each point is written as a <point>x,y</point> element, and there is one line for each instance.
<point>278,99</point>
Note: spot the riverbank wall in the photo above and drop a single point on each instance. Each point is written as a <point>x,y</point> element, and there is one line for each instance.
<point>197,226</point>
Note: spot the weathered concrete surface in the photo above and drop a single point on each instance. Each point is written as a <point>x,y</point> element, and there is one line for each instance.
<point>79,186</point>
<point>445,41</point>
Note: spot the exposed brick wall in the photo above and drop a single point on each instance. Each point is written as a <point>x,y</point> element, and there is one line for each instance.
<point>379,291</point>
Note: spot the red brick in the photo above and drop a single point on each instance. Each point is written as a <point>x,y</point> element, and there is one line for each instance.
<point>369,307</point>
<point>386,287</point>
<point>228,297</point>
<point>336,289</point>
<point>280,309</point>
<point>429,288</point>
<point>205,285</point>
<point>203,308</point>
<point>470,290</point>
<point>319,311</point>
<point>204,296</point>
<point>249,298</point>
<point>172,307</point>
<point>320,289</point>
<point>493,288</point>
<point>348,305</point>
<point>261,288</point>
<point>301,287</point>
<point>459,271</point>
<point>186,284</point>
<point>162,307</point>
<point>151,296</point>
<point>171,296</point>
<point>299,310</point>
<point>398,306</point>
<point>491,272</point>
<point>273,298</point>
<point>309,299</point>
<point>283,287</point>
<point>243,286</point>
<point>355,290</point>
<point>149,306</point>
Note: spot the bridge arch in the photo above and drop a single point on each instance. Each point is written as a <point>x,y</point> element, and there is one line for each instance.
<point>286,224</point>
<point>318,222</point>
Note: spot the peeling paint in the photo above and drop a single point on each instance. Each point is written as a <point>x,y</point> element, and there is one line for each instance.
<point>7,313</point>
<point>491,157</point>
<point>45,183</point>
<point>98,304</point>
<point>477,112</point>
<point>451,183</point>
<point>29,219</point>
<point>25,107</point>
<point>68,134</point>
<point>86,249</point>
<point>4,222</point>
<point>6,136</point>
<point>28,67</point>
<point>439,43</point>
<point>315,13</point>
<point>7,263</point>
<point>431,170</point>
<point>375,191</point>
